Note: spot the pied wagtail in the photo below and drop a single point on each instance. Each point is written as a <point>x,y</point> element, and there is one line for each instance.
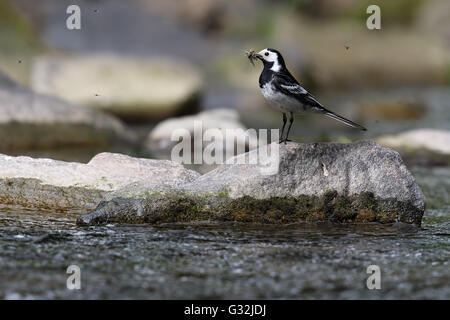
<point>284,93</point>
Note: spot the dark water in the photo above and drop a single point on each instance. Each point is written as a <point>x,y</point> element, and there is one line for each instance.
<point>227,260</point>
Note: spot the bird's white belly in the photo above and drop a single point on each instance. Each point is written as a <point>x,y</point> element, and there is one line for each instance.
<point>281,101</point>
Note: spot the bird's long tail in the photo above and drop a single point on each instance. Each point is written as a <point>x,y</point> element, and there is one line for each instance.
<point>342,119</point>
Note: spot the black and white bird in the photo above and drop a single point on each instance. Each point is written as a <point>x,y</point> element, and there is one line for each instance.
<point>285,94</point>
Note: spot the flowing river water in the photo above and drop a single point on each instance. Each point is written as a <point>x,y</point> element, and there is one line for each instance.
<point>210,260</point>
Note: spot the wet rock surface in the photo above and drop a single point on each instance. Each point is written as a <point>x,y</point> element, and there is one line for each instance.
<point>358,182</point>
<point>46,183</point>
<point>32,120</point>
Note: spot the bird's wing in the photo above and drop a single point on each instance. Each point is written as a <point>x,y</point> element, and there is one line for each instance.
<point>287,84</point>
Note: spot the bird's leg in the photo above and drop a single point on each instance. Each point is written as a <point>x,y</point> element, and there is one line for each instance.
<point>282,129</point>
<point>291,121</point>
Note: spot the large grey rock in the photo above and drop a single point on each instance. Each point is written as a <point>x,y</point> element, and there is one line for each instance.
<point>31,120</point>
<point>46,183</point>
<point>358,182</point>
<point>132,88</point>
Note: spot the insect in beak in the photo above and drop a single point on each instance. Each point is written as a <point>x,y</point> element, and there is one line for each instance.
<point>252,56</point>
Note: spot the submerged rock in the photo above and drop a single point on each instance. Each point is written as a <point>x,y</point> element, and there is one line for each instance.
<point>32,120</point>
<point>46,183</point>
<point>135,89</point>
<point>357,182</point>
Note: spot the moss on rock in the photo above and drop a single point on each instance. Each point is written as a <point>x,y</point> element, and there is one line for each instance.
<point>175,206</point>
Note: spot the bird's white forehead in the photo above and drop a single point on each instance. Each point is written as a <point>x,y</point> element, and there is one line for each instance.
<point>270,53</point>
<point>270,56</point>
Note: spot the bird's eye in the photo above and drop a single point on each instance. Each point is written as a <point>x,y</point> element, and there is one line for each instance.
<point>266,54</point>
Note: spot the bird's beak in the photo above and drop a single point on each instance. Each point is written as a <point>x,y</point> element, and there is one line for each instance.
<point>257,55</point>
<point>251,55</point>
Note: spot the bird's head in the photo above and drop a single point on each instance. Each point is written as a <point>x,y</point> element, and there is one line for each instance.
<point>272,59</point>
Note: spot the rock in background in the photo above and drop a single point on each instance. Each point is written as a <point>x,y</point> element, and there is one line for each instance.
<point>421,146</point>
<point>137,89</point>
<point>32,120</point>
<point>430,139</point>
<point>159,141</point>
